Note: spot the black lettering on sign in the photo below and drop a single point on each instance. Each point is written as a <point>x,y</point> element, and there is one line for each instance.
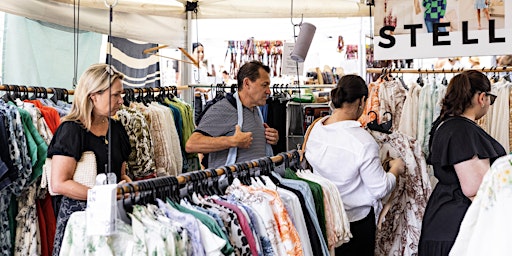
<point>437,33</point>
<point>382,33</point>
<point>465,39</point>
<point>492,33</point>
<point>413,28</point>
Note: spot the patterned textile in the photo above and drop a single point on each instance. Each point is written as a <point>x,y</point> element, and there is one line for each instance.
<point>189,223</point>
<point>165,140</point>
<point>39,122</point>
<point>20,174</point>
<point>152,233</point>
<point>140,162</point>
<point>290,242</point>
<point>236,236</point>
<point>76,242</point>
<point>67,207</point>
<point>434,9</point>
<point>139,69</point>
<point>486,226</point>
<point>392,95</point>
<point>425,118</point>
<point>27,230</point>
<point>400,230</point>
<point>372,104</point>
<point>510,118</point>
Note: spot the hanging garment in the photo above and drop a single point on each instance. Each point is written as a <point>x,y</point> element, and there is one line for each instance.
<point>498,114</point>
<point>486,225</point>
<point>163,137</point>
<point>337,224</point>
<point>408,124</point>
<point>318,243</point>
<point>140,162</point>
<point>19,174</point>
<point>391,96</point>
<point>38,121</point>
<point>279,219</point>
<point>401,225</point>
<point>372,103</point>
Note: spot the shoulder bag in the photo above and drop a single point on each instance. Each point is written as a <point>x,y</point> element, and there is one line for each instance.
<point>85,172</point>
<point>303,161</point>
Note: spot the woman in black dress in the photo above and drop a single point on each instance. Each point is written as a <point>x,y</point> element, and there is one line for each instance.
<point>97,98</point>
<point>461,153</point>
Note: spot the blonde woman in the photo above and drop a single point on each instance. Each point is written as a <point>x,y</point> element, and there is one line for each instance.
<point>85,128</point>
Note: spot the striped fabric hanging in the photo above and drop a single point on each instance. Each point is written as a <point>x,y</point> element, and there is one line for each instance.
<point>140,69</point>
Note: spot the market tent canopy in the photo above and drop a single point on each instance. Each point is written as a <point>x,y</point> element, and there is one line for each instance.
<point>165,21</point>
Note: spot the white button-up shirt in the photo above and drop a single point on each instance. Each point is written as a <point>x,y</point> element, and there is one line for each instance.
<point>347,155</point>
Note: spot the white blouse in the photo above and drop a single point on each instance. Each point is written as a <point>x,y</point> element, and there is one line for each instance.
<point>347,155</point>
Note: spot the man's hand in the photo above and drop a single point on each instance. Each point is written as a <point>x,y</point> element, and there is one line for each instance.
<point>242,139</point>
<point>271,135</point>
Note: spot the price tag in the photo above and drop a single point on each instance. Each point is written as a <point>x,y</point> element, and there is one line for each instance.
<point>101,210</point>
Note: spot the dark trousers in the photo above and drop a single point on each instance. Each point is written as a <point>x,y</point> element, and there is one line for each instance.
<point>362,242</point>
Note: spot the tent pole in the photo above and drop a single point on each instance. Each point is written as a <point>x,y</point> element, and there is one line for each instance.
<point>186,70</point>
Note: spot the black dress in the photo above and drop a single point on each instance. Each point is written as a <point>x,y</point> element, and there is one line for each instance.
<point>457,139</point>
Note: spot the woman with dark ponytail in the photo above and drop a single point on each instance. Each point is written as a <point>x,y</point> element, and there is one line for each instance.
<point>339,149</point>
<point>461,153</point>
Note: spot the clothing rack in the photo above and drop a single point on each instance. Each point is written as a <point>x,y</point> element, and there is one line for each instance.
<point>289,158</point>
<point>276,86</point>
<point>32,89</point>
<point>432,71</point>
<point>24,89</point>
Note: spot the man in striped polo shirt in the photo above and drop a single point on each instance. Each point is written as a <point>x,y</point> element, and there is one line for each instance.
<point>224,126</point>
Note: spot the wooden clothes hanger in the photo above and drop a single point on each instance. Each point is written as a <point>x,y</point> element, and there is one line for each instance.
<point>153,49</point>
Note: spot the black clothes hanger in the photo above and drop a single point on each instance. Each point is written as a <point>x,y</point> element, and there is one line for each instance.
<point>174,190</point>
<point>139,95</point>
<point>215,186</point>
<point>238,173</point>
<point>208,182</point>
<point>202,183</point>
<point>401,80</point>
<point>16,92</point>
<point>35,92</point>
<point>45,93</point>
<point>127,97</point>
<point>384,127</point>
<point>65,95</point>
<point>150,96</point>
<point>56,95</point>
<point>507,77</point>
<point>24,94</point>
<point>122,213</point>
<point>266,164</point>
<point>226,180</point>
<point>7,96</point>
<point>420,79</point>
<point>295,160</point>
<point>444,81</point>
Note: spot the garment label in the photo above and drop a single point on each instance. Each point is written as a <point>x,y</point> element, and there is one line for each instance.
<point>101,210</point>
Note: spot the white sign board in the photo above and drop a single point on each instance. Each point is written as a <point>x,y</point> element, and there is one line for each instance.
<point>441,28</point>
<point>290,66</point>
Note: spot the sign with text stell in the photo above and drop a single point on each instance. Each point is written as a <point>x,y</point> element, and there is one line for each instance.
<point>441,28</point>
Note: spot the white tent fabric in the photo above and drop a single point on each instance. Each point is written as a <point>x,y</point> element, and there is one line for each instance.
<point>139,26</point>
<point>164,21</point>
